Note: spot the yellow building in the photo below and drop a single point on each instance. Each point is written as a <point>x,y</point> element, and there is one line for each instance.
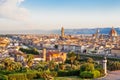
<point>4,42</point>
<point>58,57</point>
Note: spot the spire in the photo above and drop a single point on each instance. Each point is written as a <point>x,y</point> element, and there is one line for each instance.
<point>97,33</point>
<point>112,27</point>
<point>97,30</point>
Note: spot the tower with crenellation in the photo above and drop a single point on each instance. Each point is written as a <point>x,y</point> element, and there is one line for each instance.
<point>62,32</point>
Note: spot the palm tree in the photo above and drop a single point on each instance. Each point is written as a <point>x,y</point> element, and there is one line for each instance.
<point>72,57</point>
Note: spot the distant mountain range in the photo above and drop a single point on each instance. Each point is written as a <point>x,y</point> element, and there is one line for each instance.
<point>87,31</point>
<point>67,31</point>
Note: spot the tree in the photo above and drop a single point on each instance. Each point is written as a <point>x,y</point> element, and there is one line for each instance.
<point>29,60</point>
<point>78,57</point>
<point>56,46</point>
<point>11,65</point>
<point>62,66</point>
<point>8,64</point>
<point>87,67</point>
<point>113,65</point>
<point>76,62</point>
<point>52,65</point>
<point>30,51</point>
<point>18,66</point>
<point>41,66</point>
<point>72,57</point>
<point>90,60</point>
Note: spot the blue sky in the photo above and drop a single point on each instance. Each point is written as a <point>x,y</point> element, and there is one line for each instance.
<point>52,14</point>
<point>71,4</point>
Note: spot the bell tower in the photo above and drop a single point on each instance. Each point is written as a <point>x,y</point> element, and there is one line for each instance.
<point>62,32</point>
<point>97,33</point>
<point>44,54</point>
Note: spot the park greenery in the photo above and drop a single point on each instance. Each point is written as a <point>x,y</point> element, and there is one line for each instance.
<point>30,50</point>
<point>76,66</point>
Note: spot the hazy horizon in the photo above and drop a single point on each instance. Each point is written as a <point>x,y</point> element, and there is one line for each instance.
<point>16,15</point>
<point>69,31</point>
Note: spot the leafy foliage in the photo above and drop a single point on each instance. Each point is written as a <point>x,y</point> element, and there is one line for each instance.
<point>30,51</point>
<point>47,70</point>
<point>11,65</point>
<point>29,60</point>
<point>46,75</point>
<point>72,57</point>
<point>113,65</point>
<point>41,66</point>
<point>17,77</point>
<point>96,73</point>
<point>90,60</point>
<point>86,74</point>
<point>87,67</point>
<point>31,75</point>
<point>69,73</point>
<point>90,74</point>
<point>3,77</point>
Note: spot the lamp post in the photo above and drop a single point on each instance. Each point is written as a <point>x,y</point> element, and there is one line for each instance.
<point>105,65</point>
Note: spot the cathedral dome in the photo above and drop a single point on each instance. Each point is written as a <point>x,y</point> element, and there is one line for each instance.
<point>113,32</point>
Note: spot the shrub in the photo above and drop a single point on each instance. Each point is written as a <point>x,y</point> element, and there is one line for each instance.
<point>6,72</point>
<point>31,76</point>
<point>90,60</point>
<point>62,66</point>
<point>68,67</point>
<point>69,73</point>
<point>20,76</point>
<point>42,74</point>
<point>96,73</point>
<point>3,77</point>
<point>90,74</point>
<point>86,74</point>
<point>54,74</point>
<point>113,65</point>
<point>63,73</point>
<point>87,67</point>
<point>46,74</point>
<point>74,72</point>
<point>101,71</point>
<point>39,75</point>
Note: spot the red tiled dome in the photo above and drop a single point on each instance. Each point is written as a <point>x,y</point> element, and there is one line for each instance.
<point>113,32</point>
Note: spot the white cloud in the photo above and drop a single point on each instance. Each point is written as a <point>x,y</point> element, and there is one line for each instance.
<point>11,9</point>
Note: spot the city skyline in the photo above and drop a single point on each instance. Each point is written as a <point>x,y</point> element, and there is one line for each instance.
<point>52,14</point>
